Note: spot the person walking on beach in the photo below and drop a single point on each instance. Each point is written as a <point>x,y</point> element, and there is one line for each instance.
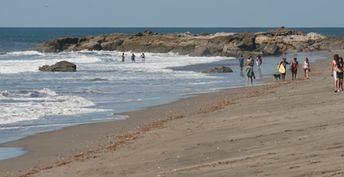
<point>294,64</point>
<point>123,57</point>
<point>143,57</point>
<point>282,68</point>
<point>249,70</point>
<point>340,69</point>
<point>334,71</point>
<point>306,68</point>
<point>241,63</point>
<point>133,57</point>
<point>259,62</point>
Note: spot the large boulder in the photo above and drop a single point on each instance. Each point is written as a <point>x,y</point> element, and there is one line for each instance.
<point>201,51</point>
<point>111,45</point>
<point>90,46</point>
<point>62,66</point>
<point>222,69</point>
<point>282,31</point>
<point>184,48</point>
<point>58,45</point>
<point>271,49</point>
<point>245,41</point>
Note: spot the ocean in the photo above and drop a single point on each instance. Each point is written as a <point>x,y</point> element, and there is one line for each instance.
<point>103,87</point>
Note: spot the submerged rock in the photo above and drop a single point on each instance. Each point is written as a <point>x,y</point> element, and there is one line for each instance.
<point>222,69</point>
<point>62,66</point>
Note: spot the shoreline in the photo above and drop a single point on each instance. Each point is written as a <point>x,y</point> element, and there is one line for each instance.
<point>88,137</point>
<point>83,135</point>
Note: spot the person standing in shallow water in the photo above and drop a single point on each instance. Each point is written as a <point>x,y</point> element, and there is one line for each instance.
<point>259,62</point>
<point>143,57</point>
<point>282,68</point>
<point>123,57</point>
<point>294,64</point>
<point>249,70</point>
<point>241,63</point>
<point>133,57</point>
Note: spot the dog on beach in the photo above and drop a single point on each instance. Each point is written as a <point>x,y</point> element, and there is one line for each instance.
<point>277,76</point>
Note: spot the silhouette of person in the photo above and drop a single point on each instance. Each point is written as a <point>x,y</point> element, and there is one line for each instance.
<point>123,57</point>
<point>143,57</point>
<point>133,57</point>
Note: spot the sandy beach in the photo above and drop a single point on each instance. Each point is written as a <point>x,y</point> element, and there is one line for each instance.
<point>292,128</point>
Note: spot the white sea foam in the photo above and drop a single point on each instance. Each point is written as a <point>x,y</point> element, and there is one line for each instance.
<point>25,53</point>
<point>32,64</point>
<point>104,60</point>
<point>31,105</point>
<point>154,63</point>
<point>94,66</point>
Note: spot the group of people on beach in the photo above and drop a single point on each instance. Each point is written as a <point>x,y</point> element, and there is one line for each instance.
<point>337,68</point>
<point>133,56</point>
<point>281,67</point>
<point>294,66</point>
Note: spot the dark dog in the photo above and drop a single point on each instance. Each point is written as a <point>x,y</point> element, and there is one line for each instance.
<point>277,76</point>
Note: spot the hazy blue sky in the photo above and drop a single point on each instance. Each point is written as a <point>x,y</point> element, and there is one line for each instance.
<point>171,13</point>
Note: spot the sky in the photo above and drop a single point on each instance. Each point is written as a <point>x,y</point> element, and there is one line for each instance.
<point>171,13</point>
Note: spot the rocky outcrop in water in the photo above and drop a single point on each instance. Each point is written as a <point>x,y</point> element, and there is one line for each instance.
<point>62,66</point>
<point>274,42</point>
<point>222,69</point>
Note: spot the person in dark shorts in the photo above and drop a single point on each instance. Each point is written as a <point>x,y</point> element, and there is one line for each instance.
<point>241,62</point>
<point>340,69</point>
<point>294,64</point>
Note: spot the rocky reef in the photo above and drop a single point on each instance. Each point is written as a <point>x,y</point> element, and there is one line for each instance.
<point>277,41</point>
<point>62,66</point>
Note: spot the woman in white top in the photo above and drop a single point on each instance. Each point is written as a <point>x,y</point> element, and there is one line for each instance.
<point>334,71</point>
<point>306,68</point>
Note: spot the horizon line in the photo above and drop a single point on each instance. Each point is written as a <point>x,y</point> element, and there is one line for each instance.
<point>171,27</point>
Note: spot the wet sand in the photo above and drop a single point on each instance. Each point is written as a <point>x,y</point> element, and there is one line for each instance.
<point>292,128</point>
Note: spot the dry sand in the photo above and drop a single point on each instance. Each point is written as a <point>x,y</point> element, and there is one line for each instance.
<point>284,129</point>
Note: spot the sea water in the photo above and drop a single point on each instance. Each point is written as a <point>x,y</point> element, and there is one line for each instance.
<point>103,87</point>
<point>9,152</point>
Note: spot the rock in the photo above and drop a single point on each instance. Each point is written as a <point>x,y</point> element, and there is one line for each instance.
<point>271,49</point>
<point>245,41</point>
<point>220,44</point>
<point>58,45</point>
<point>285,32</point>
<point>90,46</point>
<point>315,36</point>
<point>204,34</point>
<point>138,34</point>
<point>149,33</point>
<point>184,48</point>
<point>201,51</point>
<point>222,69</point>
<point>62,66</point>
<point>111,45</point>
<point>63,43</point>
